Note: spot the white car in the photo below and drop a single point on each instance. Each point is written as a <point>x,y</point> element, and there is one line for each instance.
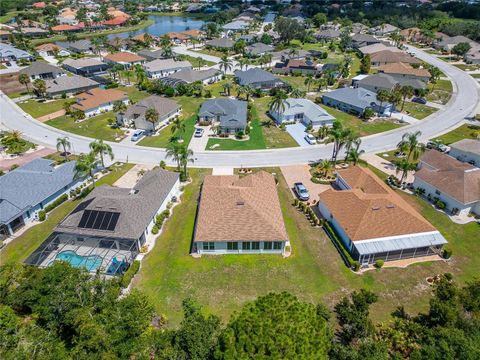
<point>309,138</point>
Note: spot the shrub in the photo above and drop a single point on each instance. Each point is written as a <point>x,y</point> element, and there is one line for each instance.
<point>379,263</point>
<point>166,213</point>
<point>130,273</point>
<point>447,253</point>
<point>155,229</point>
<point>440,204</point>
<point>355,265</point>
<point>295,202</point>
<point>163,165</point>
<point>41,215</point>
<point>56,203</point>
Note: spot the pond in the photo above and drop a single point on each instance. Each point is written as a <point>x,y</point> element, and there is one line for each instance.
<point>162,25</point>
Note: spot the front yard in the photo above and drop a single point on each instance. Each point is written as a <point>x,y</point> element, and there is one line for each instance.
<point>463,132</point>
<point>418,111</point>
<point>37,109</point>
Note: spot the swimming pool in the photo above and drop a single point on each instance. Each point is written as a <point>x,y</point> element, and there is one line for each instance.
<point>91,263</point>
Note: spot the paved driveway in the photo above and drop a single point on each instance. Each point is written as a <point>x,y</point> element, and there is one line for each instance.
<point>297,131</point>
<point>301,173</point>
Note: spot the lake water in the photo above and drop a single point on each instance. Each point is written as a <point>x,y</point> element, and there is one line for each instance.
<point>163,25</point>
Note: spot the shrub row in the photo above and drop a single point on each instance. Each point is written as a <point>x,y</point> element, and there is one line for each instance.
<point>130,273</point>
<point>159,219</point>
<point>355,265</point>
<point>56,203</point>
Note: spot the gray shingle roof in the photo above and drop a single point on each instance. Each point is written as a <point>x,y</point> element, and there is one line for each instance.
<point>69,84</point>
<point>136,206</point>
<point>7,51</point>
<point>190,76</point>
<point>259,48</point>
<point>81,63</point>
<point>224,43</point>
<point>232,113</point>
<point>358,97</point>
<point>328,34</point>
<point>163,106</point>
<point>38,68</point>
<point>78,45</point>
<point>254,75</point>
<point>386,81</point>
<point>166,64</point>
<point>31,184</point>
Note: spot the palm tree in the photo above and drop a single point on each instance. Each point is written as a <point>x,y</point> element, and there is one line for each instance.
<point>201,62</point>
<point>347,62</point>
<point>174,151</point>
<point>12,136</point>
<point>64,144</point>
<point>86,166</point>
<point>40,87</point>
<point>225,64</point>
<point>151,115</point>
<point>297,93</point>
<point>243,62</point>
<point>308,82</point>
<point>382,96</point>
<point>435,74</point>
<point>292,53</point>
<point>325,167</point>
<point>178,126</point>
<point>227,87</point>
<point>404,166</point>
<point>186,156</point>
<point>244,90</point>
<point>411,146</point>
<point>24,79</point>
<point>139,73</point>
<point>406,91</point>
<point>353,156</point>
<point>99,148</point>
<point>352,141</point>
<point>277,104</point>
<point>337,134</point>
<point>119,106</point>
<point>323,131</point>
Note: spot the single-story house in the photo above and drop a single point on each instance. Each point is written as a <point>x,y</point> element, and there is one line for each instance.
<point>387,82</point>
<point>51,49</point>
<point>285,55</point>
<point>447,43</point>
<point>355,101</point>
<point>135,115</point>
<point>327,35</point>
<point>31,32</point>
<point>220,43</point>
<point>229,114</point>
<point>466,150</point>
<point>374,48</point>
<point>62,28</point>
<point>236,26</point>
<point>126,59</point>
<point>185,36</point>
<point>304,111</point>
<point>258,49</point>
<point>304,67</point>
<point>403,71</point>
<point>259,79</point>
<point>453,182</point>
<point>388,57</point>
<point>41,70</point>
<point>109,227</point>
<point>95,101</point>
<point>11,53</point>
<point>69,85</point>
<point>85,67</point>
<point>84,46</point>
<point>151,55</point>
<point>29,188</point>
<point>239,216</point>
<point>375,223</point>
<point>473,55</point>
<point>248,38</point>
<point>384,29</point>
<point>359,28</point>
<point>361,40</point>
<point>188,76</point>
<point>164,67</point>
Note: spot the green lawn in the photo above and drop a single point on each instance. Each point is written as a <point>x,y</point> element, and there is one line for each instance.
<point>297,82</point>
<point>17,94</point>
<point>467,67</point>
<point>194,61</point>
<point>361,127</point>
<point>444,85</point>
<point>134,94</point>
<point>37,109</point>
<point>96,127</point>
<point>475,76</point>
<point>418,111</point>
<point>211,52</point>
<point>463,132</point>
<point>439,96</point>
<point>256,140</point>
<point>20,248</point>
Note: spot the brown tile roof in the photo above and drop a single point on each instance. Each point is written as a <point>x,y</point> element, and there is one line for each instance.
<point>47,47</point>
<point>370,209</point>
<point>457,179</point>
<point>124,57</point>
<point>403,68</point>
<point>240,209</point>
<point>96,97</point>
<point>387,56</point>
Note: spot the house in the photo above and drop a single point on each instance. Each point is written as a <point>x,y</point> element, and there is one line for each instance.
<point>473,55</point>
<point>259,79</point>
<point>355,101</point>
<point>11,53</point>
<point>51,49</point>
<point>389,57</point>
<point>69,85</point>
<point>151,55</point>
<point>375,223</point>
<point>109,227</point>
<point>466,150</point>
<point>188,76</point>
<point>403,71</point>
<point>285,55</point>
<point>220,43</point>
<point>5,35</point>
<point>31,32</point>
<point>236,26</point>
<point>85,67</point>
<point>29,188</point>
<point>304,67</point>
<point>447,43</point>
<point>304,111</point>
<point>95,101</point>
<point>239,216</point>
<point>66,27</point>
<point>41,70</point>
<point>374,48</point>
<point>387,82</point>
<point>167,109</point>
<point>84,46</point>
<point>384,29</point>
<point>361,40</point>
<point>184,37</point>
<point>164,67</point>
<point>455,183</point>
<point>359,28</point>
<point>126,59</point>
<point>230,115</point>
<point>248,38</point>
<point>327,35</point>
<point>258,49</point>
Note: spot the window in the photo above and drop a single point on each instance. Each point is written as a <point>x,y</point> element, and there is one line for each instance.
<point>277,245</point>
<point>208,246</point>
<point>267,245</point>
<point>246,245</point>
<point>437,192</point>
<point>256,245</point>
<point>232,246</point>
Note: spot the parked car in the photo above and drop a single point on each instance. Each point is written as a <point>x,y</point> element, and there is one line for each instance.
<point>309,138</point>
<point>137,135</point>
<point>8,63</point>
<point>419,100</point>
<point>301,191</point>
<point>198,132</point>
<point>437,146</point>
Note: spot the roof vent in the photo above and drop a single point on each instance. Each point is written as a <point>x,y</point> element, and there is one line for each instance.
<point>375,208</point>
<point>390,206</point>
<point>133,191</point>
<point>240,202</point>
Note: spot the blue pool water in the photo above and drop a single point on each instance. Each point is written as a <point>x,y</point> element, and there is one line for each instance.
<point>90,263</point>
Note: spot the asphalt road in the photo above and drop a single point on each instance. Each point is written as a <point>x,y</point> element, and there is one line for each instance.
<point>462,104</point>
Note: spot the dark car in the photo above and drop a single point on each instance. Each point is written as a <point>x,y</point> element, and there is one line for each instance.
<point>301,191</point>
<point>419,100</point>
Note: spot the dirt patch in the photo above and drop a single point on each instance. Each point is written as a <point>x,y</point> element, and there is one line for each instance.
<point>9,83</point>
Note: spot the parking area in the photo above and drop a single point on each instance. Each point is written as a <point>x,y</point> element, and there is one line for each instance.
<point>301,173</point>
<point>297,131</point>
<point>200,143</point>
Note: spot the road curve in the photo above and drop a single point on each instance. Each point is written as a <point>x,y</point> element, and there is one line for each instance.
<point>461,105</point>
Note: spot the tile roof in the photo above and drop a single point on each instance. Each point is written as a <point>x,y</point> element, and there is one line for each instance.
<point>96,97</point>
<point>65,27</point>
<point>387,56</point>
<point>457,179</point>
<point>240,209</point>
<point>370,209</point>
<point>47,47</point>
<point>124,57</point>
<point>403,68</point>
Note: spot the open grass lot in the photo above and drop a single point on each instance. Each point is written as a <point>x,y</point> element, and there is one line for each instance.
<point>133,93</point>
<point>475,76</point>
<point>463,132</point>
<point>194,61</point>
<point>467,67</point>
<point>439,96</point>
<point>211,52</point>
<point>37,109</point>
<point>444,85</point>
<point>20,248</point>
<point>361,127</point>
<point>96,127</point>
<point>418,111</point>
<point>297,82</point>
<point>314,272</point>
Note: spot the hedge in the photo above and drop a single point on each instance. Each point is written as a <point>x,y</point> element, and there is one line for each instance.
<point>56,203</point>
<point>41,215</point>
<point>130,273</point>
<point>340,246</point>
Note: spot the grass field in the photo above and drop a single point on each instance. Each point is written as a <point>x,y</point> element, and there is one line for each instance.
<point>444,85</point>
<point>463,132</point>
<point>256,140</point>
<point>314,272</point>
<point>134,94</point>
<point>467,67</point>
<point>96,127</point>
<point>418,111</point>
<point>194,61</point>
<point>37,109</point>
<point>20,248</point>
